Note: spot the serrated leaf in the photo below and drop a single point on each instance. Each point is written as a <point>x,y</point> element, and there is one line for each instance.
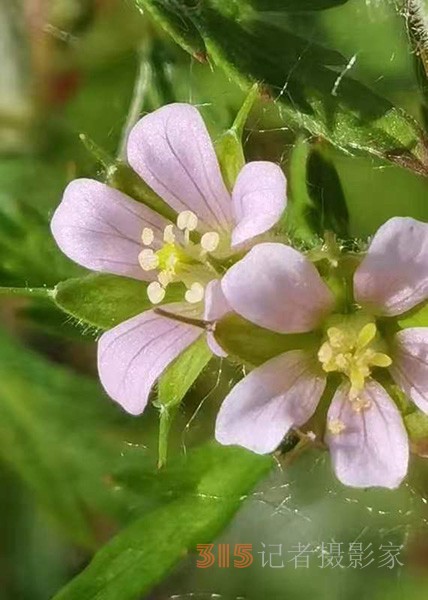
<point>128,566</point>
<point>255,345</point>
<point>104,301</point>
<point>174,384</point>
<point>310,81</point>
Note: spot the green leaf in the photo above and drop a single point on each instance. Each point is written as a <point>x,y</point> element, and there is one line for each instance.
<point>104,301</point>
<point>127,567</point>
<point>229,146</point>
<point>175,383</point>
<point>64,439</point>
<point>28,252</point>
<point>328,209</point>
<point>255,345</point>
<point>294,5</point>
<point>310,82</point>
<point>183,372</point>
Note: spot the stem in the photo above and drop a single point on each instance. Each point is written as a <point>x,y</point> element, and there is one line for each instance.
<point>138,96</point>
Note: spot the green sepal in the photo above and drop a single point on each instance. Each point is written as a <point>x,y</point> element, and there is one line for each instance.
<point>123,178</point>
<point>103,301</point>
<point>417,317</point>
<point>229,148</point>
<point>255,345</point>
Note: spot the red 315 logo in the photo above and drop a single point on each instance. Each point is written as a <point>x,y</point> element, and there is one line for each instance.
<point>242,553</point>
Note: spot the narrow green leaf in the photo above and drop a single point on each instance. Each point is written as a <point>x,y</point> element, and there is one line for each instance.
<point>140,556</point>
<point>173,386</point>
<point>104,301</point>
<point>255,345</point>
<point>180,376</point>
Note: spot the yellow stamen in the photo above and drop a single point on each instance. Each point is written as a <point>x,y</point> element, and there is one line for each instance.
<point>352,348</point>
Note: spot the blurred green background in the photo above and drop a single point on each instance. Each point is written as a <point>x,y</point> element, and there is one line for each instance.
<point>80,66</point>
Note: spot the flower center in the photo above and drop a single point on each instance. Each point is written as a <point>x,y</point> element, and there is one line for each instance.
<point>179,259</point>
<point>353,347</point>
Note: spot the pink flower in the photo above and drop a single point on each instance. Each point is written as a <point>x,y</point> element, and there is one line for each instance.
<point>278,288</point>
<point>104,230</point>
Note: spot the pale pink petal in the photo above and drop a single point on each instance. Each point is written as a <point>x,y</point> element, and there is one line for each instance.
<point>258,199</point>
<point>214,346</point>
<point>276,287</point>
<point>215,303</point>
<point>393,277</point>
<point>372,449</point>
<point>100,228</point>
<point>171,150</point>
<point>262,407</point>
<point>135,353</point>
<point>410,364</point>
<point>215,308</point>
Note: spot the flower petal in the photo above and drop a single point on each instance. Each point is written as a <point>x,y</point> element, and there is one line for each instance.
<point>258,199</point>
<point>100,228</point>
<point>393,277</point>
<point>214,346</point>
<point>372,449</point>
<point>172,151</point>
<point>276,287</point>
<point>215,308</point>
<point>133,355</point>
<point>259,411</point>
<point>410,364</point>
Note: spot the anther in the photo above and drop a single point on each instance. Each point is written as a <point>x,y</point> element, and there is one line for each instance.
<point>187,220</point>
<point>195,293</point>
<point>147,236</point>
<point>155,292</point>
<point>165,277</point>
<point>168,234</point>
<point>148,260</point>
<point>210,241</point>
